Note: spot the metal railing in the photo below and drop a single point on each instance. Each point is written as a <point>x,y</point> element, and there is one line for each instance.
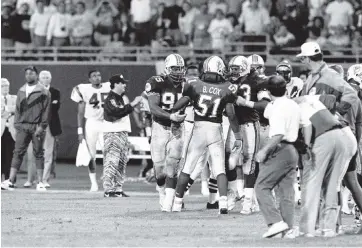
<point>116,52</point>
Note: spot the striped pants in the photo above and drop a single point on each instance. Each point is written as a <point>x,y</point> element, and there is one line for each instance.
<point>115,160</point>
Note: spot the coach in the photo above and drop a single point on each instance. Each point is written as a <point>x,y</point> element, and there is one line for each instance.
<point>31,120</point>
<point>116,127</point>
<point>278,158</point>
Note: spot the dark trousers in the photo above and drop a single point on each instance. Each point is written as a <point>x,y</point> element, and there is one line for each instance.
<point>277,172</point>
<point>7,149</point>
<point>23,138</point>
<point>143,33</point>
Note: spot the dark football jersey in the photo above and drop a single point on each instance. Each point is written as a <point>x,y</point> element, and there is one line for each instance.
<point>209,99</point>
<point>169,94</point>
<point>248,88</point>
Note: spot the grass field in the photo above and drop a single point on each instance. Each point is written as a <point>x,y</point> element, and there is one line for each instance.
<point>68,215</point>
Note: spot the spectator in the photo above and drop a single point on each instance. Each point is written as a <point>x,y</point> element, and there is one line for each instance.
<point>283,38</point>
<point>6,25</point>
<point>232,19</point>
<point>159,20</point>
<point>81,28</point>
<point>69,7</point>
<point>315,8</point>
<point>124,29</point>
<point>254,18</point>
<point>141,14</point>
<point>52,7</point>
<point>39,22</point>
<point>8,132</point>
<point>220,28</point>
<point>104,23</point>
<point>317,24</point>
<point>234,6</point>
<point>339,12</point>
<point>357,17</point>
<point>172,13</point>
<point>185,21</point>
<point>214,5</point>
<point>357,39</point>
<point>296,19</point>
<point>338,40</point>
<point>318,36</point>
<point>31,5</point>
<point>20,26</point>
<point>58,29</point>
<point>199,33</point>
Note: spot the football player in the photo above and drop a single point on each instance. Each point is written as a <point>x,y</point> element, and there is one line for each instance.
<point>354,78</point>
<point>210,94</point>
<point>294,84</point>
<point>90,98</point>
<point>167,133</point>
<point>247,81</point>
<point>257,63</point>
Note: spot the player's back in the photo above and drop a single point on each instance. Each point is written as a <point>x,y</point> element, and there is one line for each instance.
<point>92,97</point>
<point>168,92</point>
<point>209,99</point>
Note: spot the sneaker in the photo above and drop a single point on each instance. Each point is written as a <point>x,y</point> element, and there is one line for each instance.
<point>28,184</point>
<point>94,188</point>
<point>47,185</point>
<point>231,200</point>
<point>108,194</point>
<point>41,187</point>
<point>7,185</point>
<point>223,211</point>
<point>214,205</point>
<point>276,228</point>
<point>120,194</point>
<point>291,233</point>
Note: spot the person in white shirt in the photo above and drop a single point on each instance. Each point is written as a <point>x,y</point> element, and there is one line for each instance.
<point>59,26</point>
<point>31,3</point>
<point>141,13</point>
<point>218,4</point>
<point>255,18</point>
<point>116,126</point>
<point>220,28</point>
<point>81,28</point>
<point>278,158</point>
<point>186,20</point>
<point>39,22</point>
<point>339,12</point>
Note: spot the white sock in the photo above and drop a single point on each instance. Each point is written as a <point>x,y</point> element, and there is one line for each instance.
<point>205,185</point>
<point>255,201</point>
<point>223,202</point>
<point>170,196</point>
<point>178,200</point>
<point>345,196</point>
<point>233,185</point>
<point>249,194</point>
<point>240,187</point>
<point>212,197</point>
<point>93,178</point>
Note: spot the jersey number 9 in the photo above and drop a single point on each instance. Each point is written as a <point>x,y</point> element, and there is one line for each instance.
<point>205,103</point>
<point>168,100</point>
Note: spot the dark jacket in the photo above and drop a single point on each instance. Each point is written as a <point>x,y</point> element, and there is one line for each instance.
<point>54,120</point>
<point>115,108</point>
<point>33,110</point>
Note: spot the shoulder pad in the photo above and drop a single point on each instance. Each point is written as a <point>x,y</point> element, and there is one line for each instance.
<point>154,83</point>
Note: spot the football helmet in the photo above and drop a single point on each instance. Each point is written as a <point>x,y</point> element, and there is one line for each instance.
<point>257,62</point>
<point>285,70</point>
<point>238,67</point>
<point>175,67</point>
<point>214,64</point>
<point>355,73</point>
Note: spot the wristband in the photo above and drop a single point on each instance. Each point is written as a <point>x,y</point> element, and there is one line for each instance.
<point>80,130</point>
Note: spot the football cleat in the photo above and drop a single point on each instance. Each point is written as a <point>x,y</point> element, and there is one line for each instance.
<point>94,188</point>
<point>214,205</point>
<point>41,187</point>
<point>231,200</point>
<point>28,184</point>
<point>275,229</point>
<point>177,206</point>
<point>47,185</point>
<point>120,194</point>
<point>223,211</point>
<point>108,194</point>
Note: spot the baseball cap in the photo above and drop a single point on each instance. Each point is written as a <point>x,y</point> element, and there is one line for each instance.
<point>118,78</point>
<point>32,68</point>
<point>309,49</point>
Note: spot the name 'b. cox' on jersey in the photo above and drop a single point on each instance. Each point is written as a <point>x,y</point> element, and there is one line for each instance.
<point>248,88</point>
<point>209,99</point>
<point>169,94</point>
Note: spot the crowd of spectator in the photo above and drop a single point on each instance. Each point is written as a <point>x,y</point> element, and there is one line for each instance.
<point>334,24</point>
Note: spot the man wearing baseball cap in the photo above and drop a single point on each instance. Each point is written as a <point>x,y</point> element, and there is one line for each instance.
<point>323,81</point>
<point>116,127</point>
<point>30,121</point>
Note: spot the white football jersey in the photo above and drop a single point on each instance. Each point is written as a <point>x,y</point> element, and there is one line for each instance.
<point>93,98</point>
<point>294,87</point>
